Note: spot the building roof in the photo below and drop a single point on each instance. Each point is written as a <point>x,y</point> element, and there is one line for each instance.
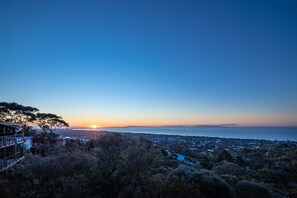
<point>10,124</point>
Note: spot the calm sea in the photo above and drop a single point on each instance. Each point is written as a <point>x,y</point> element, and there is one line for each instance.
<point>268,133</point>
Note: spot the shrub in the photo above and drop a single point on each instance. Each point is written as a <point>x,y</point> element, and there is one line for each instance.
<point>252,158</point>
<point>225,155</point>
<point>230,179</point>
<point>228,168</point>
<point>275,176</point>
<point>246,189</point>
<point>187,182</point>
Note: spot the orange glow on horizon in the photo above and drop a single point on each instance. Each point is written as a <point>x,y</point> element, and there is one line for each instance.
<point>94,126</point>
<point>123,124</point>
<point>90,121</point>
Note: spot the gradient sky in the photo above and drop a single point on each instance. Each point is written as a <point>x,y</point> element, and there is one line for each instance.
<point>115,63</point>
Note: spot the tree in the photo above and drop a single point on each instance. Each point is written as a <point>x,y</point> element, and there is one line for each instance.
<point>188,182</point>
<point>246,189</point>
<point>50,122</point>
<point>16,113</point>
<point>226,167</point>
<point>225,155</point>
<point>124,167</point>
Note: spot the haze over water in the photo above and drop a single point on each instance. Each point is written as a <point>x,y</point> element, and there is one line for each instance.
<point>255,132</point>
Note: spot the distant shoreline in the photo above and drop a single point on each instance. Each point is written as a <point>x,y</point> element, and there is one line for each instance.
<point>210,133</point>
<point>185,126</point>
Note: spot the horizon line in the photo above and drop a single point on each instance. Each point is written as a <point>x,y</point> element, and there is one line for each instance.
<point>181,126</point>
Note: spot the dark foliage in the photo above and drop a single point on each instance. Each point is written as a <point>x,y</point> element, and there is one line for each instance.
<point>246,189</point>
<point>50,122</point>
<point>116,165</point>
<point>225,155</point>
<point>188,182</point>
<point>16,113</point>
<point>228,168</point>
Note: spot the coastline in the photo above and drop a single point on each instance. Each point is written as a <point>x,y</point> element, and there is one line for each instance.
<point>94,133</point>
<point>272,133</point>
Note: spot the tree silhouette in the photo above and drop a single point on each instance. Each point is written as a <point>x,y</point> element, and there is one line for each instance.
<point>16,113</point>
<point>23,115</point>
<point>50,122</point>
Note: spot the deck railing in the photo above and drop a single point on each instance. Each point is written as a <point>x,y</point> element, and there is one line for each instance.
<point>9,140</point>
<point>10,160</point>
<point>6,141</point>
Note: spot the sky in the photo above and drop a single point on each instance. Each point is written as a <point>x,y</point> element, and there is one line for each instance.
<point>118,63</point>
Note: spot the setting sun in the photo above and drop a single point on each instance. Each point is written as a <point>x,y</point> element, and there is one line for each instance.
<point>94,126</point>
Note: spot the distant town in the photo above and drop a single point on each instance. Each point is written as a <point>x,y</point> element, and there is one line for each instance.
<point>274,162</point>
<point>194,149</point>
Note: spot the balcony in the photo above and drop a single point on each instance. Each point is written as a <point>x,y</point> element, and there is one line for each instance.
<point>10,160</point>
<point>7,141</point>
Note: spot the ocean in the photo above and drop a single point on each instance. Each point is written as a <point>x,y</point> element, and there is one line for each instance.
<point>266,133</point>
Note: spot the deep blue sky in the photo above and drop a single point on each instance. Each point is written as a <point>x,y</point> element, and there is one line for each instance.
<point>152,62</point>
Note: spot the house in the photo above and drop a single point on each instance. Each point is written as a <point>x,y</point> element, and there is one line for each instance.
<point>11,145</point>
<point>61,141</point>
